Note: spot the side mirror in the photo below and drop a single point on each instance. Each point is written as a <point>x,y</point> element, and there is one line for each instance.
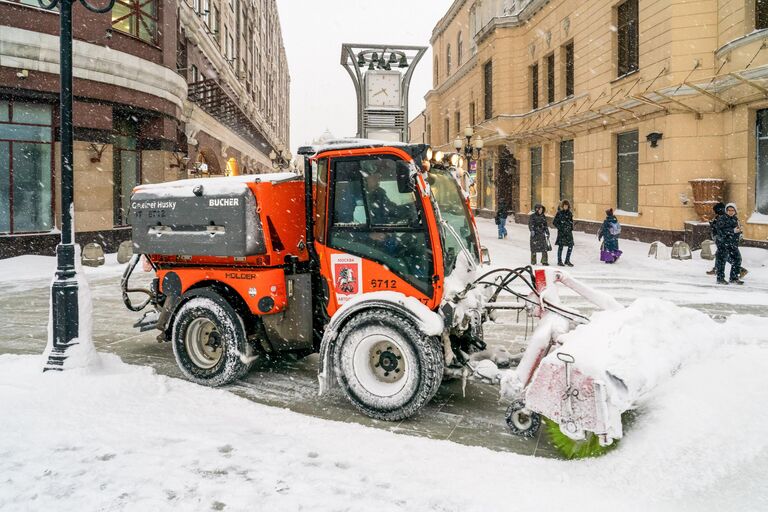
<point>404,181</point>
<point>485,256</point>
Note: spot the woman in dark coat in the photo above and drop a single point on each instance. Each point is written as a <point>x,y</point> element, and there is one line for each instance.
<point>537,224</point>
<point>609,234</point>
<point>564,224</point>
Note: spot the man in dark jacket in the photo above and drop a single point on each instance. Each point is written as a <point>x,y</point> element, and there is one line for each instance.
<point>564,224</point>
<point>537,224</point>
<point>502,212</point>
<point>719,210</point>
<point>727,235</point>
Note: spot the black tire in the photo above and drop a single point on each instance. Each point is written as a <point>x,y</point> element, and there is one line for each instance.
<point>521,421</point>
<point>386,366</point>
<point>218,357</point>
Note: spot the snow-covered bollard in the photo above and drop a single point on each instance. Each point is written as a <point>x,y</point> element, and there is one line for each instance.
<point>81,353</point>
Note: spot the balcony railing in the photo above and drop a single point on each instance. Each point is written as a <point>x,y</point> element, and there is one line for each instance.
<point>212,98</point>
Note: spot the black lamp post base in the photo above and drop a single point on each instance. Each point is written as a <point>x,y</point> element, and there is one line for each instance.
<point>65,310</point>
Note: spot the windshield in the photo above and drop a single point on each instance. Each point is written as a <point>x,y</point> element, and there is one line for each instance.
<point>454,212</point>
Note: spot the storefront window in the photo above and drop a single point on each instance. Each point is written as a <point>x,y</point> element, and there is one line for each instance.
<point>627,163</point>
<point>25,167</point>
<point>566,170</point>
<point>535,176</point>
<point>137,18</point>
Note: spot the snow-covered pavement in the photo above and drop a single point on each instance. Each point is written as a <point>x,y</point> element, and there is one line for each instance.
<point>124,438</point>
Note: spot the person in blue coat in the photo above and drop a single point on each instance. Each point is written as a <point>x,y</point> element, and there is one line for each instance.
<point>609,234</point>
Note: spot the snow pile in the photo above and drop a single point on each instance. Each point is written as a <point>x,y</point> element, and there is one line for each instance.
<point>126,438</point>
<point>212,186</point>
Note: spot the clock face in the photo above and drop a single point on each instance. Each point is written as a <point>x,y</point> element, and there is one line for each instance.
<point>383,89</point>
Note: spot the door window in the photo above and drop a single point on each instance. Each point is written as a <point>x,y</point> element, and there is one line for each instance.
<point>376,217</point>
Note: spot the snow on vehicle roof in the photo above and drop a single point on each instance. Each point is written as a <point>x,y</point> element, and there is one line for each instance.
<point>218,185</point>
<point>352,143</point>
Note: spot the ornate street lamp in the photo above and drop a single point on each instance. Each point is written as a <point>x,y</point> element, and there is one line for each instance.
<point>281,159</point>
<point>471,150</point>
<point>64,306</point>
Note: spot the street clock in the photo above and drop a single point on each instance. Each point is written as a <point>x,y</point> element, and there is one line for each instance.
<point>382,75</point>
<point>383,89</point>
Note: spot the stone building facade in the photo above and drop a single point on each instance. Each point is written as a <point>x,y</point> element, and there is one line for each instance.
<point>163,90</point>
<point>610,103</point>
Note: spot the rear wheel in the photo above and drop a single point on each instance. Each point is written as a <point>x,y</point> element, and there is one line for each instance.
<point>209,341</point>
<point>386,366</point>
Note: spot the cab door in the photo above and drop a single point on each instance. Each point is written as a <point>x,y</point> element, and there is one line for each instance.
<point>375,234</point>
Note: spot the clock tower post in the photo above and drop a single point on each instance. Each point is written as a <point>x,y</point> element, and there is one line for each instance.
<point>382,76</point>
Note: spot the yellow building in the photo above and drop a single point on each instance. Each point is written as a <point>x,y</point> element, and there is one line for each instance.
<point>610,103</point>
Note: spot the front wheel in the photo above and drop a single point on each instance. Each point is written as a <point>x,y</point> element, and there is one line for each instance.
<point>209,341</point>
<point>386,366</point>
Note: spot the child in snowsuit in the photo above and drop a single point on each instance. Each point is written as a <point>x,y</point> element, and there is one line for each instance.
<point>727,235</point>
<point>502,212</point>
<point>564,224</point>
<point>537,224</point>
<point>609,234</point>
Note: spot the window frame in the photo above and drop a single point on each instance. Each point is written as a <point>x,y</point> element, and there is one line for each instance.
<point>761,183</point>
<point>11,104</point>
<point>533,70</point>
<point>627,38</point>
<point>760,15</point>
<point>536,191</point>
<point>424,287</point>
<point>569,66</point>
<point>564,164</point>
<point>622,157</point>
<point>136,10</point>
<point>550,65</point>
<point>488,90</point>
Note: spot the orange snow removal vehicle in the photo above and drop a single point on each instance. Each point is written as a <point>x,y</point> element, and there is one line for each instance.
<point>360,261</point>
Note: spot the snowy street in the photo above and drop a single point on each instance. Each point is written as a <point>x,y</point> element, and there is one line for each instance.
<point>160,443</point>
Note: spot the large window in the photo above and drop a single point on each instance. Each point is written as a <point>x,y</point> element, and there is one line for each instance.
<point>627,171</point>
<point>551,78</point>
<point>457,122</point>
<point>448,61</point>
<point>761,14</point>
<point>126,165</point>
<point>535,176</point>
<point>569,69</point>
<point>137,18</point>
<point>488,89</point>
<point>447,130</point>
<point>534,70</point>
<point>436,72</point>
<point>628,37</point>
<point>472,118</point>
<point>26,201</point>
<point>761,178</point>
<point>566,170</point>
<point>375,218</point>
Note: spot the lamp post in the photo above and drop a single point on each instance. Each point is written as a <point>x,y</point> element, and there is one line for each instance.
<point>64,306</point>
<point>281,158</point>
<point>471,151</point>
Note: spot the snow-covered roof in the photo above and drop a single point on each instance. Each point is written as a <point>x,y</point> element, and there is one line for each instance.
<point>218,185</point>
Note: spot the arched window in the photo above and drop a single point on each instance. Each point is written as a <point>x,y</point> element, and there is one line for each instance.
<point>448,61</point>
<point>459,50</point>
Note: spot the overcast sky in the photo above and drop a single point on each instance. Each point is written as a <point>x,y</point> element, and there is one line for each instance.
<point>322,93</point>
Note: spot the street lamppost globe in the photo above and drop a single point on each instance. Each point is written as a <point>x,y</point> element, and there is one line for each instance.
<point>479,142</point>
<point>468,132</point>
<point>458,143</point>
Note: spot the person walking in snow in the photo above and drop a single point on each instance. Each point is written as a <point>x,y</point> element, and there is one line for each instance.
<point>537,224</point>
<point>719,210</point>
<point>564,224</point>
<point>727,237</point>
<point>609,234</point>
<point>502,212</point>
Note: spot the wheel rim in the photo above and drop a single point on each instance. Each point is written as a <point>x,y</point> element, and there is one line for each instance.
<point>203,343</point>
<point>381,365</point>
<point>522,420</point>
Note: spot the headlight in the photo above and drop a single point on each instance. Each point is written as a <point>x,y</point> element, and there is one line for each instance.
<point>429,153</point>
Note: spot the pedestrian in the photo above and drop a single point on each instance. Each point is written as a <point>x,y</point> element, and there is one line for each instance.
<point>609,234</point>
<point>537,224</point>
<point>564,224</point>
<point>727,237</point>
<point>502,212</point>
<point>719,210</point>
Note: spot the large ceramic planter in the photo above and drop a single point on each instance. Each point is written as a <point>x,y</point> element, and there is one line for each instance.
<point>707,192</point>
